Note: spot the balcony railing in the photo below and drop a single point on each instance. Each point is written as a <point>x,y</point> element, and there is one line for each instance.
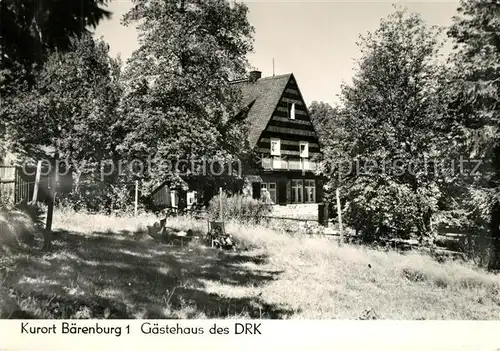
<point>270,163</point>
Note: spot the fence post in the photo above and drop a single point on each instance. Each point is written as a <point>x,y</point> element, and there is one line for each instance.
<point>339,214</point>
<point>37,182</point>
<point>52,184</point>
<point>220,204</point>
<point>136,197</point>
<point>323,215</point>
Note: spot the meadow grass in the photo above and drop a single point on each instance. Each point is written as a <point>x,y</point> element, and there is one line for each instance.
<point>298,211</point>
<point>17,231</point>
<point>108,267</point>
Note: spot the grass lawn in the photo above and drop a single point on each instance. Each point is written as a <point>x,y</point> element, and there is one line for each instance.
<point>104,267</point>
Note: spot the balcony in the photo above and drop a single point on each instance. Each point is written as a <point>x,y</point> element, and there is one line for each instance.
<point>269,163</point>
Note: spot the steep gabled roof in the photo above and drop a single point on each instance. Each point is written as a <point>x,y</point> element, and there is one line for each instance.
<point>263,97</point>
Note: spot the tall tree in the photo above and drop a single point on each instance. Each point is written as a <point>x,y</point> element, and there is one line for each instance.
<point>476,109</point>
<point>180,104</point>
<point>326,120</point>
<point>394,111</point>
<point>70,111</point>
<point>32,29</point>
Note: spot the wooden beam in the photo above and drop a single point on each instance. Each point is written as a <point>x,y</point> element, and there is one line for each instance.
<point>288,152</point>
<point>136,197</point>
<point>297,111</point>
<point>296,101</point>
<point>291,121</point>
<point>339,214</point>
<point>220,205</point>
<point>291,131</point>
<point>290,142</point>
<point>292,91</point>
<point>37,182</point>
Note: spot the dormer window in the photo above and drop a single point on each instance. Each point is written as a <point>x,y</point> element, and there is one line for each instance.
<point>304,149</point>
<point>275,147</point>
<point>291,110</point>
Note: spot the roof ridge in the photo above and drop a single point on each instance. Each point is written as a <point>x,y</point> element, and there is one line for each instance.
<point>277,76</point>
<point>245,80</point>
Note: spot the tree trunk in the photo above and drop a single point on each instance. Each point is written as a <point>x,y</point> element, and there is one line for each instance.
<point>77,175</point>
<point>50,214</point>
<point>425,229</point>
<point>494,263</point>
<point>47,244</point>
<point>429,233</point>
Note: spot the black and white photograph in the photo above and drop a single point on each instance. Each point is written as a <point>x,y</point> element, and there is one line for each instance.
<point>248,160</point>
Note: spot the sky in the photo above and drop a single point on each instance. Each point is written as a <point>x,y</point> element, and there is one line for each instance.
<point>314,40</point>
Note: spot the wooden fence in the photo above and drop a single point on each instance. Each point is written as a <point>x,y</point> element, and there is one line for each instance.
<point>14,186</point>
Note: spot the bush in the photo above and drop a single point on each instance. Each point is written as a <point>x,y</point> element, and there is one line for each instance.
<point>8,306</point>
<point>5,202</point>
<point>17,230</point>
<point>19,223</point>
<point>35,212</point>
<point>99,198</point>
<point>469,214</point>
<point>378,210</point>
<point>239,207</point>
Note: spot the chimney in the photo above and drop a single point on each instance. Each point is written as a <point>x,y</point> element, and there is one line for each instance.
<point>254,76</point>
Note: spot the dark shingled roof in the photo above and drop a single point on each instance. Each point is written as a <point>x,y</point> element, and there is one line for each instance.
<point>263,97</point>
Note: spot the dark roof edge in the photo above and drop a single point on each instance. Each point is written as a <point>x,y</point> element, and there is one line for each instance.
<point>290,75</point>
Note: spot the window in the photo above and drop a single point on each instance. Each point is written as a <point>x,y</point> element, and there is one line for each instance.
<point>275,147</point>
<point>304,149</point>
<point>310,191</point>
<point>291,110</point>
<point>297,191</point>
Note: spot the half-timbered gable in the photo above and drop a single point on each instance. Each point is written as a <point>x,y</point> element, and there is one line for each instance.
<point>282,134</point>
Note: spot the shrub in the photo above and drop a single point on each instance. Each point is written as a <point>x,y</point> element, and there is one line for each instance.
<point>99,198</point>
<point>8,306</point>
<point>470,214</point>
<point>379,210</point>
<point>239,207</point>
<point>17,230</point>
<point>19,224</point>
<point>5,202</point>
<point>34,211</point>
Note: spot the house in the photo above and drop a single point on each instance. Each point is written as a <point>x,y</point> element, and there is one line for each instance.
<point>283,140</point>
<point>282,136</point>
